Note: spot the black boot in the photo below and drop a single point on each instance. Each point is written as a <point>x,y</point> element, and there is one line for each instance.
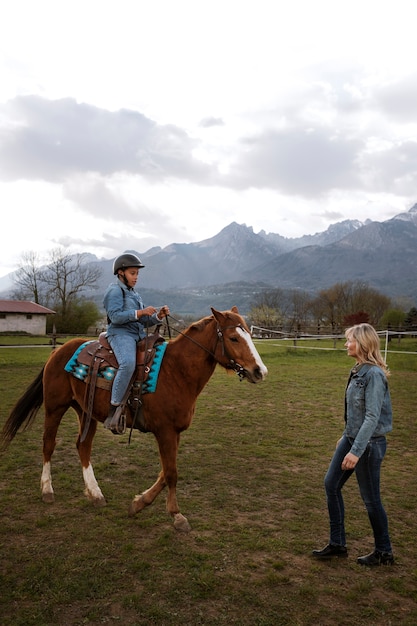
<point>110,416</point>
<point>330,551</point>
<point>376,558</point>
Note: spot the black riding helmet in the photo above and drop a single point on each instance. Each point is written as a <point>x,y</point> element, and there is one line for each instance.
<point>126,260</point>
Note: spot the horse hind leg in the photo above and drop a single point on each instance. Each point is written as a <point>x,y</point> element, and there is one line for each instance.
<point>49,442</point>
<point>46,483</point>
<point>92,489</point>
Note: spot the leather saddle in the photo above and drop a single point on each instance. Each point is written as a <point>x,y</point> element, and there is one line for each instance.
<point>98,355</point>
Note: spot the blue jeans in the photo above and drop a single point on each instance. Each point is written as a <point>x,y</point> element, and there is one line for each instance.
<point>368,476</point>
<point>124,347</point>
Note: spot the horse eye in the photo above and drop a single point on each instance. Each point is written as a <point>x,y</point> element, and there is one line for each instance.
<point>234,339</point>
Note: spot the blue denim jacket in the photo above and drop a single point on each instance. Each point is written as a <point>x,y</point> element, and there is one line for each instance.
<point>368,411</point>
<point>121,305</point>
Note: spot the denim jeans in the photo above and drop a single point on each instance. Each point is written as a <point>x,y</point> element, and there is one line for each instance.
<point>367,472</point>
<point>124,347</point>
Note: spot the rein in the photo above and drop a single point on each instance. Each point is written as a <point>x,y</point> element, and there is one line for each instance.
<point>238,369</point>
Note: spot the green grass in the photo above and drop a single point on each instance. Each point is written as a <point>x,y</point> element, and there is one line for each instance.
<point>251,471</point>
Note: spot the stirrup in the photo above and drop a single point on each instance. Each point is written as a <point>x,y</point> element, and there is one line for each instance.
<point>116,420</point>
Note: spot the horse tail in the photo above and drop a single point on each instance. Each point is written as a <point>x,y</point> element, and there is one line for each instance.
<point>24,411</point>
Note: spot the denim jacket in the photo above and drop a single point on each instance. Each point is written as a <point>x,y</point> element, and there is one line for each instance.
<point>121,304</point>
<point>368,411</point>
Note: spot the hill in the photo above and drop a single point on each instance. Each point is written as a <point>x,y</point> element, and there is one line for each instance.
<point>234,265</point>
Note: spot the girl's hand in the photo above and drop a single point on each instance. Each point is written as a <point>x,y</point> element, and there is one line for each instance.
<point>149,310</point>
<point>163,311</point>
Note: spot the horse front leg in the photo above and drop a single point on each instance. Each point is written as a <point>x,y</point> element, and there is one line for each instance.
<point>168,448</point>
<point>92,489</point>
<point>146,498</point>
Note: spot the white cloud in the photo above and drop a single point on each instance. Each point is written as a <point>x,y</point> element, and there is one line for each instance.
<point>134,124</point>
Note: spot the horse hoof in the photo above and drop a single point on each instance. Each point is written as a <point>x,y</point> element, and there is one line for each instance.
<point>100,502</point>
<point>181,523</point>
<point>136,505</point>
<point>48,497</point>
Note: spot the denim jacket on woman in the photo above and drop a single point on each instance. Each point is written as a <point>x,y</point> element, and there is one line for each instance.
<point>368,411</point>
<point>121,304</point>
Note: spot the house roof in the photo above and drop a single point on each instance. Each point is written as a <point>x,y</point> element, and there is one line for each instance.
<point>23,306</point>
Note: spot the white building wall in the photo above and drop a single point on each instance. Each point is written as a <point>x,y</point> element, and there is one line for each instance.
<point>22,322</point>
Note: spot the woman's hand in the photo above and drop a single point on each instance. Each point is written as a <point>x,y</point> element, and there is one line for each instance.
<point>349,462</point>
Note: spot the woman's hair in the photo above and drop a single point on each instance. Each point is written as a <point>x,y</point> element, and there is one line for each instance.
<point>367,345</point>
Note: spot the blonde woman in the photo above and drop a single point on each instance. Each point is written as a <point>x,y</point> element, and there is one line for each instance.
<point>361,449</point>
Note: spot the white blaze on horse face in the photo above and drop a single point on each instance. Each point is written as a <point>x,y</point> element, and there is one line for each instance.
<point>246,336</point>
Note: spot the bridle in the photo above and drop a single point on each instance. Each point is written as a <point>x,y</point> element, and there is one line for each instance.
<point>238,369</point>
<point>232,365</point>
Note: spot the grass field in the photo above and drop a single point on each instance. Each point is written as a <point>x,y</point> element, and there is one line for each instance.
<point>251,471</point>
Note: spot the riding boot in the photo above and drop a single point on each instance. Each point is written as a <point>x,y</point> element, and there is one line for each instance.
<point>110,416</point>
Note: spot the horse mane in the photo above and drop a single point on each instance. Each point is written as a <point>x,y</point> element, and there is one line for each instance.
<point>232,315</point>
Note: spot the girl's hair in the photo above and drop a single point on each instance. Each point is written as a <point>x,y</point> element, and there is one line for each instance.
<point>367,345</point>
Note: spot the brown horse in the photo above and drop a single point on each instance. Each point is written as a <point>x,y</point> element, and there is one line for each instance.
<point>188,363</point>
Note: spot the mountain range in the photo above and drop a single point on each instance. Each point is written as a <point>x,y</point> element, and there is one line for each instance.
<point>234,265</point>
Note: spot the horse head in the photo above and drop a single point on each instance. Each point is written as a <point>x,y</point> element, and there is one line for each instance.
<point>235,349</point>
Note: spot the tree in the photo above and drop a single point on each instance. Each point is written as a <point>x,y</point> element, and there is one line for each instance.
<point>265,316</point>
<point>393,319</point>
<point>329,305</point>
<point>345,299</point>
<point>83,315</point>
<point>29,278</point>
<point>276,299</point>
<point>365,298</point>
<point>300,309</point>
<point>67,276</point>
<point>410,321</point>
<point>361,317</point>
<point>62,284</point>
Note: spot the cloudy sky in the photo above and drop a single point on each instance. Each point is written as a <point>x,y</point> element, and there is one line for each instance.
<point>129,124</point>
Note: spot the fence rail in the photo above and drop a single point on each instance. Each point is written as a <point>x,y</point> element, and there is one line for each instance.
<point>267,333</point>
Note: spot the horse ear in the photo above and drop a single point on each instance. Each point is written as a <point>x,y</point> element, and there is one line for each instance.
<point>221,316</point>
<point>234,309</point>
<point>218,315</point>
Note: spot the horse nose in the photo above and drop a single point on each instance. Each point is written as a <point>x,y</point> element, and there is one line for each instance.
<point>259,374</point>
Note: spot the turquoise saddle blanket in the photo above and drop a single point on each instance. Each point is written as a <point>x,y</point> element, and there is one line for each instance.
<point>107,372</point>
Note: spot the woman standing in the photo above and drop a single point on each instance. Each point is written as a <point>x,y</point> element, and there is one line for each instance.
<point>361,449</point>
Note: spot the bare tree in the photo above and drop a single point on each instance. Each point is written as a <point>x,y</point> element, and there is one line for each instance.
<point>301,309</point>
<point>342,300</point>
<point>67,276</point>
<point>277,300</point>
<point>29,278</point>
<point>61,283</point>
